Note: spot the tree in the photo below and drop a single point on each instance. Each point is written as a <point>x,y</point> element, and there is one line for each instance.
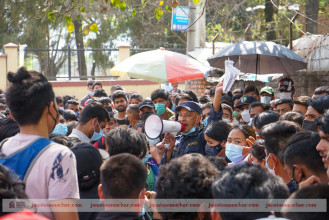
<point>312,10</point>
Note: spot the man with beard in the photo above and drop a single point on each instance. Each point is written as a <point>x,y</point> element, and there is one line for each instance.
<point>119,99</point>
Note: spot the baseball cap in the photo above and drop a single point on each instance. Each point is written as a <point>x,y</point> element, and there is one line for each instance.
<point>146,102</point>
<point>246,100</point>
<point>89,161</point>
<point>190,106</point>
<point>286,84</point>
<point>267,89</point>
<point>237,91</point>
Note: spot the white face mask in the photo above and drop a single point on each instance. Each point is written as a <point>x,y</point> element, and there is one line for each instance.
<point>268,167</point>
<point>245,115</point>
<point>250,122</point>
<point>285,95</point>
<point>265,99</point>
<point>226,120</point>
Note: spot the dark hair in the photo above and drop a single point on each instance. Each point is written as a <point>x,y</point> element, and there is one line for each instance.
<point>245,129</point>
<point>301,148</point>
<point>71,102</point>
<point>251,88</point>
<point>204,99</point>
<point>192,95</point>
<point>323,122</point>
<point>293,116</point>
<point>70,115</point>
<point>59,139</point>
<point>67,98</point>
<point>285,101</point>
<point>264,106</point>
<point>236,97</point>
<point>208,87</point>
<point>276,136</point>
<point>279,189</point>
<point>228,108</point>
<point>302,100</point>
<point>119,94</point>
<point>10,188</point>
<point>320,104</point>
<point>226,100</point>
<point>265,118</point>
<point>182,96</point>
<point>59,99</point>
<point>212,91</point>
<point>186,177</point>
<point>90,82</point>
<point>317,191</point>
<point>70,126</point>
<point>100,93</point>
<point>219,163</point>
<point>93,110</point>
<point>97,83</point>
<point>258,149</point>
<point>207,105</point>
<point>160,93</point>
<point>28,96</point>
<point>243,181</point>
<point>320,90</point>
<point>126,140</point>
<point>136,96</point>
<point>218,130</point>
<point>8,128</point>
<point>104,100</point>
<point>123,176</point>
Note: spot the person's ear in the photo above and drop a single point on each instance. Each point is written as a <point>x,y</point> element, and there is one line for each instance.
<point>299,172</point>
<point>223,143</point>
<point>198,119</point>
<point>215,215</point>
<point>100,192</point>
<point>273,160</point>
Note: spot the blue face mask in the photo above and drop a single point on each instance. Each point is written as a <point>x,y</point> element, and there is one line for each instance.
<point>91,93</point>
<point>213,150</point>
<point>77,113</point>
<point>205,121</point>
<point>234,152</point>
<point>60,129</point>
<point>146,158</point>
<point>265,99</point>
<point>160,108</point>
<point>190,131</point>
<point>97,135</point>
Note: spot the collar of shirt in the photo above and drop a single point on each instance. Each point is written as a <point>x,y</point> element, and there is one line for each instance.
<point>80,135</point>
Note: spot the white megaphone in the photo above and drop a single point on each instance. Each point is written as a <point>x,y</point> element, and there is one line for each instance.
<point>154,126</point>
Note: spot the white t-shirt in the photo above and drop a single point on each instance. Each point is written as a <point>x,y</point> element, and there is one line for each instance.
<point>54,174</point>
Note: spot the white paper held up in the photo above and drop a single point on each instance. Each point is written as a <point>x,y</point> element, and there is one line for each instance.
<point>229,76</point>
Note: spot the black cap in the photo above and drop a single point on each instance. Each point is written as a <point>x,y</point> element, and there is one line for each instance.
<point>190,106</point>
<point>89,161</point>
<point>146,102</point>
<point>246,100</point>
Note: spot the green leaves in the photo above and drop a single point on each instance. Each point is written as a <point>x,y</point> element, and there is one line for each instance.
<point>169,9</point>
<point>158,12</point>
<point>133,13</point>
<point>51,16</point>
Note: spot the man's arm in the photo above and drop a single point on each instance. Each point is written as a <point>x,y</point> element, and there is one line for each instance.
<point>218,96</point>
<point>65,215</point>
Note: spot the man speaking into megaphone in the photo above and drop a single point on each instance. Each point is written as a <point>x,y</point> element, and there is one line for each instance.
<point>192,138</point>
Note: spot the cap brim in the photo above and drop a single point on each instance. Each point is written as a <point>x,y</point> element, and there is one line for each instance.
<point>187,108</point>
<point>146,105</point>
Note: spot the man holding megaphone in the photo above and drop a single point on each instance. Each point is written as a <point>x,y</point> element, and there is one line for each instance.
<point>192,138</point>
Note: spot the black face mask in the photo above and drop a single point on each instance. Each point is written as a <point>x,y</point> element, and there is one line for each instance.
<point>310,126</point>
<point>145,115</point>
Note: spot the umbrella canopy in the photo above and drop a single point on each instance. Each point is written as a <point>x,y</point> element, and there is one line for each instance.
<point>161,66</point>
<point>259,57</point>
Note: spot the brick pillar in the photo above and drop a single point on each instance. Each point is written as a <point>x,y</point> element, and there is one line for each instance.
<point>124,53</point>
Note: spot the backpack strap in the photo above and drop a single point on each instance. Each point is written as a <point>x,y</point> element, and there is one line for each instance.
<point>22,161</point>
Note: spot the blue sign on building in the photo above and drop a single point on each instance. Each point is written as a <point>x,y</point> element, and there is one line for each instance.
<point>180,19</point>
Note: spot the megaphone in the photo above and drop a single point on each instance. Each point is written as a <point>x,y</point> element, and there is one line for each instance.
<point>154,126</point>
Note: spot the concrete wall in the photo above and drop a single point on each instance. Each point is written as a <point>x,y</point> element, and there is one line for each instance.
<point>79,89</point>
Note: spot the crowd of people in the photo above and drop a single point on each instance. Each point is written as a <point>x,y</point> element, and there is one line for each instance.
<point>245,144</point>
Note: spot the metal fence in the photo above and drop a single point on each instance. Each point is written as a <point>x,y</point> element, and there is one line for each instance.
<point>62,64</point>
